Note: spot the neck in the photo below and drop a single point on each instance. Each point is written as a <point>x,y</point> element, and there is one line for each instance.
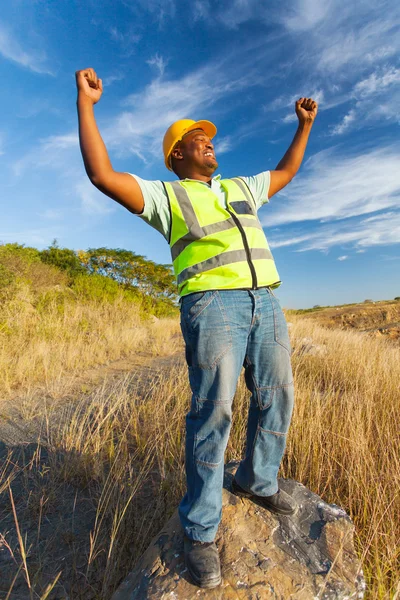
<point>196,175</point>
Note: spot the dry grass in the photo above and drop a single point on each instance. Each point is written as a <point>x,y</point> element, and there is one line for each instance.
<point>40,344</point>
<point>345,439</point>
<point>119,455</point>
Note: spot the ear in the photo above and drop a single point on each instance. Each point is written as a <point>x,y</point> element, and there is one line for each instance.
<point>177,153</point>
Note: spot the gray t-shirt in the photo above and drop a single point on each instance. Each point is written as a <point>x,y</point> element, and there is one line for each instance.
<point>156,210</point>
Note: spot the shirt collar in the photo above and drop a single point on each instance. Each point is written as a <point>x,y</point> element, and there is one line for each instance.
<point>216,178</point>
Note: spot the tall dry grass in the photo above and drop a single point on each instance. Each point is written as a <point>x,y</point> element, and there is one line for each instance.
<point>122,450</point>
<point>42,342</point>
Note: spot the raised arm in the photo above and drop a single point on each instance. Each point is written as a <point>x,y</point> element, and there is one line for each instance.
<point>121,187</point>
<point>306,110</point>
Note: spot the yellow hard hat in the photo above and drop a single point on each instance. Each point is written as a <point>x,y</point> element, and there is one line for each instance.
<point>177,130</point>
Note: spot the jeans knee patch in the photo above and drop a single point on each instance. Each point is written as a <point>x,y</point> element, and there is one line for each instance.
<point>275,418</point>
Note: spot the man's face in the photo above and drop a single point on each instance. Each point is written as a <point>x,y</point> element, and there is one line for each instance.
<point>196,150</point>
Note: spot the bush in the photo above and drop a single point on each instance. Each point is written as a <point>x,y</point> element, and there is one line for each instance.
<point>20,265</point>
<point>96,287</point>
<point>64,259</point>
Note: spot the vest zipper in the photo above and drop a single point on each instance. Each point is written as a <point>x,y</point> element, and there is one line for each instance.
<point>247,249</point>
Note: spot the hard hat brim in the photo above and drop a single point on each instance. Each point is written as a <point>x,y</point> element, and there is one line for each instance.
<point>209,129</point>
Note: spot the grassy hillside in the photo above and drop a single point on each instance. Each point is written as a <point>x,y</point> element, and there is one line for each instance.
<point>378,319</point>
<point>59,314</point>
<point>80,505</point>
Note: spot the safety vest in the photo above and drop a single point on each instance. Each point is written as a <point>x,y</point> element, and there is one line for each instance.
<point>216,248</point>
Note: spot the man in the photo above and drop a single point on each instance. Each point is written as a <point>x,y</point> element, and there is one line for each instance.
<point>230,317</point>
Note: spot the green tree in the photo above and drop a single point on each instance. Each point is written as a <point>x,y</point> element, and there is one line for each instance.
<point>63,258</point>
<point>132,271</point>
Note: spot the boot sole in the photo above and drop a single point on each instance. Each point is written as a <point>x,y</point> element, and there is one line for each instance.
<point>205,584</point>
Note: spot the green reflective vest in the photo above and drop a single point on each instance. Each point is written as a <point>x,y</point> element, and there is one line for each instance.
<point>216,248</point>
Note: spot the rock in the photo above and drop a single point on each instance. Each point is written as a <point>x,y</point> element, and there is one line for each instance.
<point>307,346</point>
<point>309,555</point>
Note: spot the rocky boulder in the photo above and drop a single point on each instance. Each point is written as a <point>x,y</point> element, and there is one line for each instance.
<point>307,556</point>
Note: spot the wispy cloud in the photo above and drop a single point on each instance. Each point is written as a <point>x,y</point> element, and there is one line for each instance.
<point>161,10</point>
<point>344,257</point>
<point>11,49</point>
<point>376,97</point>
<point>377,82</point>
<point>380,230</point>
<point>158,62</point>
<point>52,214</point>
<point>335,186</point>
<point>50,152</point>
<point>93,201</point>
<point>139,129</point>
<point>110,79</point>
<point>223,145</point>
<point>345,123</point>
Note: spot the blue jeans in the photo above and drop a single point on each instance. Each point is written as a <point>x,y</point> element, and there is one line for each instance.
<point>224,331</point>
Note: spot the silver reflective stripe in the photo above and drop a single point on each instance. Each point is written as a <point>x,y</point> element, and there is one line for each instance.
<point>226,258</point>
<point>188,238</point>
<point>258,253</point>
<point>247,194</point>
<point>196,232</point>
<point>249,222</point>
<point>187,209</point>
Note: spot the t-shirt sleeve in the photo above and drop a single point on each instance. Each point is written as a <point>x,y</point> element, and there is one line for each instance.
<point>259,187</point>
<point>156,211</point>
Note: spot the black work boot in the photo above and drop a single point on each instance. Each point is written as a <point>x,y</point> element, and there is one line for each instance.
<point>280,503</point>
<point>202,562</point>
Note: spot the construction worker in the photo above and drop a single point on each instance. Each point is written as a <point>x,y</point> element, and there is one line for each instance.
<point>230,317</point>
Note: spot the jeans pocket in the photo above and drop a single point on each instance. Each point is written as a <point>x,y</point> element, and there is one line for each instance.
<point>206,331</point>
<point>194,304</point>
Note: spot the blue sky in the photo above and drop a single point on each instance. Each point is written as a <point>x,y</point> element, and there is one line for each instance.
<point>334,231</point>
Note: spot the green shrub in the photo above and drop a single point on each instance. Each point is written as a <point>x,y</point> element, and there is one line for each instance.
<point>96,287</point>
<point>20,265</point>
<point>64,259</point>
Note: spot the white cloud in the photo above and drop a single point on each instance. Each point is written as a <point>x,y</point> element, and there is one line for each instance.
<point>93,201</point>
<point>162,10</point>
<point>304,15</point>
<point>112,79</point>
<point>377,97</point>
<point>50,152</point>
<point>380,230</point>
<point>11,49</point>
<point>140,128</point>
<point>116,35</point>
<point>158,62</point>
<point>345,124</point>
<point>344,257</point>
<point>223,145</point>
<point>377,82</point>
<point>290,118</point>
<point>335,186</point>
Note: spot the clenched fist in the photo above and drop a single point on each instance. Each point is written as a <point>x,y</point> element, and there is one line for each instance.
<point>306,110</point>
<point>89,84</point>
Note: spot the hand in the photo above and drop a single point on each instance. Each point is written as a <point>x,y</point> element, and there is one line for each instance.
<point>306,110</point>
<point>89,85</point>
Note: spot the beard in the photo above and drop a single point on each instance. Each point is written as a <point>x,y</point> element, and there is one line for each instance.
<point>212,165</point>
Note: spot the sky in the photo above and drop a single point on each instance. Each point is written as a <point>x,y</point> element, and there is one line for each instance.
<point>334,230</point>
